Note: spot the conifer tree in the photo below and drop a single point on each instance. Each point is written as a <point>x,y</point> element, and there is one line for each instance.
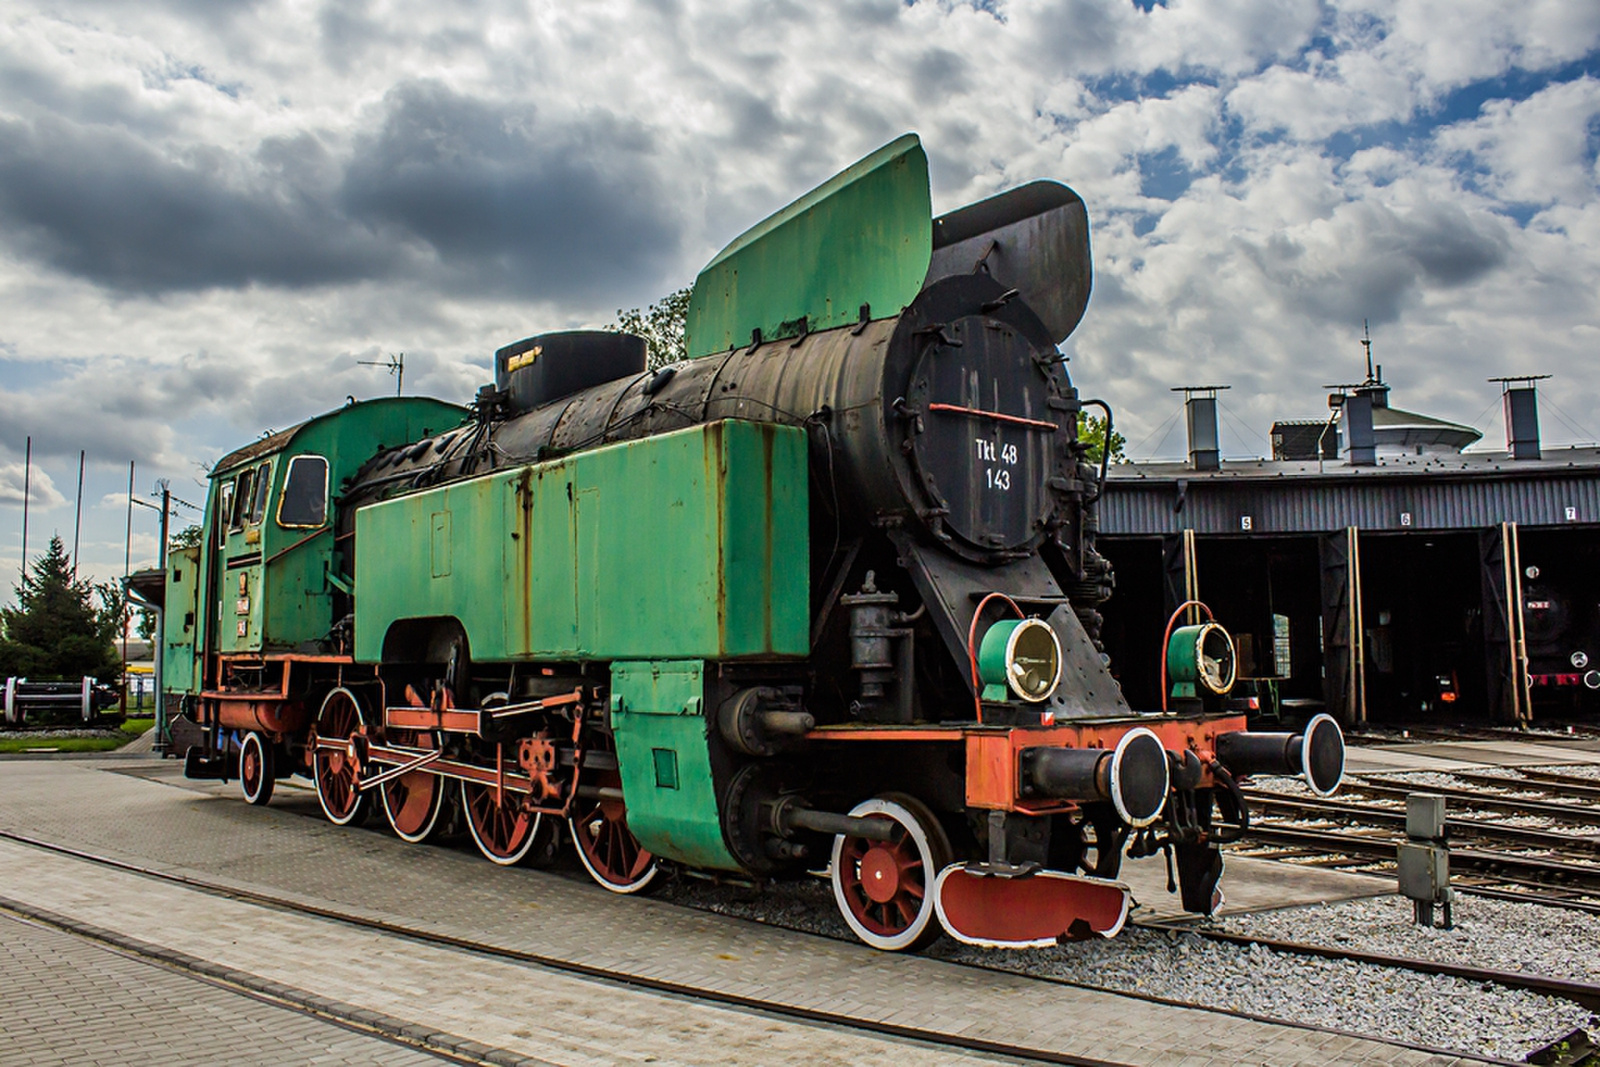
<point>57,630</point>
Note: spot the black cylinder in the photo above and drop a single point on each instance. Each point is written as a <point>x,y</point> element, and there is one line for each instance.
<point>1317,754</point>
<point>1134,776</point>
<point>1251,753</point>
<point>1066,773</point>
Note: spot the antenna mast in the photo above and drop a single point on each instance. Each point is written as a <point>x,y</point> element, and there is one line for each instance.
<point>396,365</point>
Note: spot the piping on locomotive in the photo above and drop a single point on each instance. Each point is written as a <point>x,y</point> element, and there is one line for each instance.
<point>822,595</point>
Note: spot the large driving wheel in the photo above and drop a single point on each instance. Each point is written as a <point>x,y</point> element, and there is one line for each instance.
<point>255,769</point>
<point>503,831</point>
<point>884,889</point>
<point>336,771</point>
<point>599,827</point>
<point>413,801</point>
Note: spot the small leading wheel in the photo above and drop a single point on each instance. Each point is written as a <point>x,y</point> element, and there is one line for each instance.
<point>884,889</point>
<point>413,801</point>
<point>599,826</point>
<point>503,831</point>
<point>335,769</point>
<point>255,769</point>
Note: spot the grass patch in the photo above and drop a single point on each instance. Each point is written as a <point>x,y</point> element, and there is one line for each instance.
<point>128,731</point>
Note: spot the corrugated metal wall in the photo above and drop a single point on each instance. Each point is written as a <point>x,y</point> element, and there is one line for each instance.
<point>1292,505</point>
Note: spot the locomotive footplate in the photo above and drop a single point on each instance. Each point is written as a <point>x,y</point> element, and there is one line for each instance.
<point>997,757</point>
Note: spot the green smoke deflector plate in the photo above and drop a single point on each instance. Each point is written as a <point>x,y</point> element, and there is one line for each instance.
<point>865,236</point>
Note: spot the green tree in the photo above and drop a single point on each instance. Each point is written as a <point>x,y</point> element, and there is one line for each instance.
<point>57,630</point>
<point>661,325</point>
<point>1092,432</point>
<point>188,537</point>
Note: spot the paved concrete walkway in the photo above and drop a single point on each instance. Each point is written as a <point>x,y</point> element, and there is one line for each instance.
<point>70,1001</point>
<point>276,849</point>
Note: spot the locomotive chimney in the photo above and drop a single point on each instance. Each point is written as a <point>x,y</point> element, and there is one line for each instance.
<point>1521,399</point>
<point>1200,409</point>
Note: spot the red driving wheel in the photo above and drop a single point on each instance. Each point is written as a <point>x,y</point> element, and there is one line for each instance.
<point>504,831</point>
<point>336,771</point>
<point>413,801</point>
<point>599,827</point>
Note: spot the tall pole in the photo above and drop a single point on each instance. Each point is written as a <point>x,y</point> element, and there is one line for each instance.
<point>77,521</point>
<point>27,485</point>
<point>159,644</point>
<point>127,564</point>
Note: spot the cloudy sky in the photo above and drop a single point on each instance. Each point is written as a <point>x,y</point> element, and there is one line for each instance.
<point>212,211</point>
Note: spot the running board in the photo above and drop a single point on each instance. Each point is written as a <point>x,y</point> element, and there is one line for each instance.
<point>980,905</point>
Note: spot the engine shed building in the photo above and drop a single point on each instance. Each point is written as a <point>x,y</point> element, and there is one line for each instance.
<point>1372,568</point>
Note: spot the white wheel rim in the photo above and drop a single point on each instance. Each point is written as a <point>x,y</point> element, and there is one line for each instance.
<point>616,887</point>
<point>477,839</point>
<point>919,837</point>
<point>252,740</point>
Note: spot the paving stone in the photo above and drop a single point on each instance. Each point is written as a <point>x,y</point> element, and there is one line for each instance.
<point>159,822</point>
<point>125,1011</point>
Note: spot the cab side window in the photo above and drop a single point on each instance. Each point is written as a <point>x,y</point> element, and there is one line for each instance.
<point>304,502</point>
<point>244,494</point>
<point>224,512</point>
<point>263,486</point>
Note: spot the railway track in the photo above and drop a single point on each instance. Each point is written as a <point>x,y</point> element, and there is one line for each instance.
<point>1585,994</point>
<point>815,1016</point>
<point>1553,861</point>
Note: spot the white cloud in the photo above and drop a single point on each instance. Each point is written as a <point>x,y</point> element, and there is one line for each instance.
<point>284,190</point>
<point>1535,151</point>
<point>41,495</point>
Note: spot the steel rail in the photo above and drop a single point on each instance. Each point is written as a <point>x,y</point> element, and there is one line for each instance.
<point>818,1016</point>
<point>1506,805</point>
<point>1584,993</point>
<point>1559,785</point>
<point>1562,874</point>
<point>1455,827</point>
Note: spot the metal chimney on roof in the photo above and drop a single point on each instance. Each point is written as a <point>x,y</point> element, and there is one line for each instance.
<point>1200,407</point>
<point>1522,414</point>
<point>1360,444</point>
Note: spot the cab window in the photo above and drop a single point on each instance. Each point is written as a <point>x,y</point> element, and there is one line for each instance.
<point>224,512</point>
<point>243,495</point>
<point>263,485</point>
<point>304,502</point>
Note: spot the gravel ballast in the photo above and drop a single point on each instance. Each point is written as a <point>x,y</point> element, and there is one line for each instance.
<point>1181,966</point>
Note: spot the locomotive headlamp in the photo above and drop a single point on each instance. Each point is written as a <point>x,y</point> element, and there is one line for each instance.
<point>1200,657</point>
<point>1580,660</point>
<point>1022,655</point>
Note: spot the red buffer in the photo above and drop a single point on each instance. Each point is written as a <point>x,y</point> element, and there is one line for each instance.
<point>980,907</point>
